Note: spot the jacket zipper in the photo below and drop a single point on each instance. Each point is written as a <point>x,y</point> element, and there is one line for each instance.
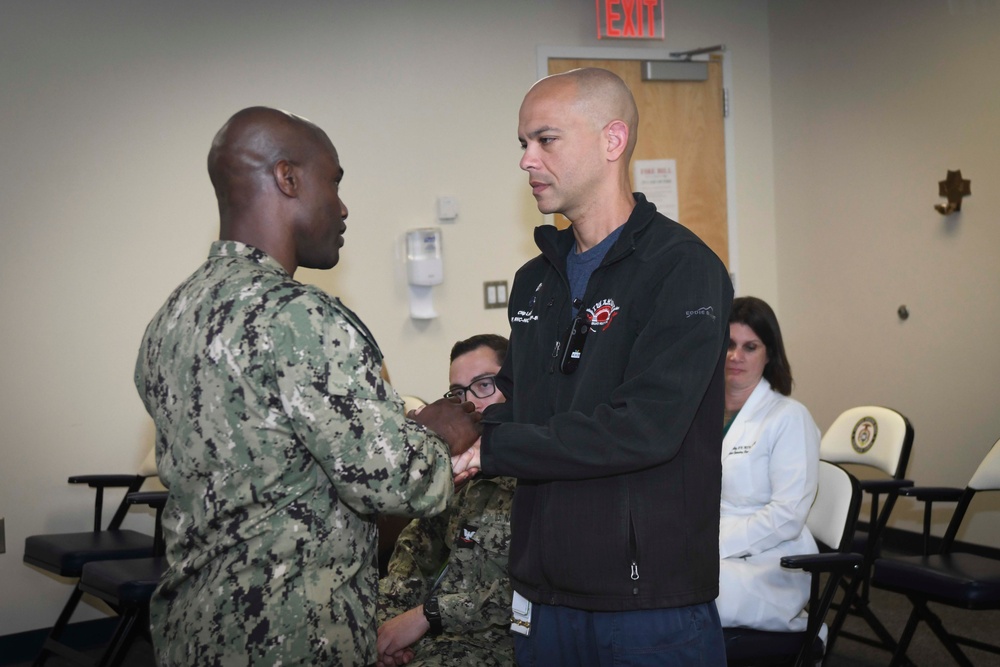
<point>554,360</point>
<point>633,544</point>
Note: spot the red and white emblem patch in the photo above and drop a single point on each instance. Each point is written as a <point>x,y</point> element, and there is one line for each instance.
<point>601,314</point>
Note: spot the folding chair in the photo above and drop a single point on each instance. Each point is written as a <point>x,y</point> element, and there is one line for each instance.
<point>65,554</point>
<point>127,585</point>
<point>831,520</point>
<point>952,578</point>
<point>877,439</point>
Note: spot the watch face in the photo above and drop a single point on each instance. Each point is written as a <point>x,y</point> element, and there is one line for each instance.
<point>433,616</point>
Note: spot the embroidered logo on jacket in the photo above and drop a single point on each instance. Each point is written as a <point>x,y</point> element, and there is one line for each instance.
<point>526,316</point>
<point>704,311</point>
<point>601,314</point>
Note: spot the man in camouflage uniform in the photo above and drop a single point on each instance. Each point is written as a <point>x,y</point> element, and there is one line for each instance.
<point>275,435</point>
<point>468,542</point>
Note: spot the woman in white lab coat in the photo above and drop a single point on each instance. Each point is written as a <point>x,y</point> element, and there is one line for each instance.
<point>770,460</point>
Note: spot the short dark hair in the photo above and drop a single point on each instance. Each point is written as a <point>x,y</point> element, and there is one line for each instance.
<point>496,343</point>
<point>756,314</point>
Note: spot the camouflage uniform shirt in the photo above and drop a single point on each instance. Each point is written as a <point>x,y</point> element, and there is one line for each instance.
<point>279,443</point>
<point>474,593</point>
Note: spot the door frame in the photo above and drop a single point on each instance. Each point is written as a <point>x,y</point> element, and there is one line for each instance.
<point>544,53</point>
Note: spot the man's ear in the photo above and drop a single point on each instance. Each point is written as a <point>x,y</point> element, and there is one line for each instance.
<point>286,177</point>
<point>617,133</point>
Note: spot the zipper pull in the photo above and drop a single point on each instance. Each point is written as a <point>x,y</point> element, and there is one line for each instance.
<point>635,571</point>
<point>555,358</point>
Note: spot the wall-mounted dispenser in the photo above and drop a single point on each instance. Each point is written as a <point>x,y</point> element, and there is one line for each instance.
<point>424,269</point>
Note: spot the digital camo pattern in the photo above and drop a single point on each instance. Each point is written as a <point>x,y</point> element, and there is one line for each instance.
<point>278,442</point>
<point>472,537</point>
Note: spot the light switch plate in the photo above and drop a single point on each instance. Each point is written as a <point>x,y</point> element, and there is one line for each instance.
<point>495,294</point>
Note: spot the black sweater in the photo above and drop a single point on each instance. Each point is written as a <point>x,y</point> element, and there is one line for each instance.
<point>618,463</point>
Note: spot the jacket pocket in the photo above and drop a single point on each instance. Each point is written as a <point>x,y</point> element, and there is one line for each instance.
<point>587,538</point>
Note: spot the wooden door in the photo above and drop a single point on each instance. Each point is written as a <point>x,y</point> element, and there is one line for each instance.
<point>680,120</point>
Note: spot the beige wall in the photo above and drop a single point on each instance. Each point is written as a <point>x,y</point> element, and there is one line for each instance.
<point>873,102</point>
<point>107,112</point>
<point>108,109</point>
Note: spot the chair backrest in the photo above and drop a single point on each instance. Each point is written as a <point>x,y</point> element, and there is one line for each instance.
<point>869,435</point>
<point>987,475</point>
<point>148,470</point>
<point>986,478</point>
<point>412,403</point>
<point>835,510</point>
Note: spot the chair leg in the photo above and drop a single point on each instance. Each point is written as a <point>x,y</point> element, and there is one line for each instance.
<point>934,623</point>
<point>863,609</point>
<point>854,603</point>
<point>850,590</point>
<point>904,640</point>
<point>120,640</point>
<point>51,644</point>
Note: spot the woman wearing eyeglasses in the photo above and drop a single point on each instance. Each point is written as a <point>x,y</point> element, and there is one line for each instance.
<point>446,599</point>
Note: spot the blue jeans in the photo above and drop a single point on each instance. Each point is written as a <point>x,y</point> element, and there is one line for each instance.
<point>676,637</point>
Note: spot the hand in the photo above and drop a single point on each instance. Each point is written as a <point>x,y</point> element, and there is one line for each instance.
<point>465,466</point>
<point>401,658</point>
<point>457,423</point>
<point>398,634</point>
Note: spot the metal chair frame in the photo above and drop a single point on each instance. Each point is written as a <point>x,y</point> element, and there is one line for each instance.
<point>948,577</point>
<point>66,554</point>
<point>854,438</point>
<point>831,520</point>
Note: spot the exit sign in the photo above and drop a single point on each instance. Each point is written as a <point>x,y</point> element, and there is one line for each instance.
<point>630,19</point>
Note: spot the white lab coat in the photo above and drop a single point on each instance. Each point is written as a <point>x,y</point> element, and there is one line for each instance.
<point>770,461</point>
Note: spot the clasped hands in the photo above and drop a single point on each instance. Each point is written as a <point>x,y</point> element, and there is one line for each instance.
<point>458,425</point>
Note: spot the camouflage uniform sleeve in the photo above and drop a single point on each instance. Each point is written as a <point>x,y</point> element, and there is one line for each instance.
<point>477,610</point>
<point>478,595</point>
<point>327,372</point>
<point>421,551</point>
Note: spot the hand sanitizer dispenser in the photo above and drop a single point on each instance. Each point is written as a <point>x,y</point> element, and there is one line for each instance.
<point>424,269</point>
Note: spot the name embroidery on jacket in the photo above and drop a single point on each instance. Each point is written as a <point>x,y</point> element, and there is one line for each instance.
<point>526,316</point>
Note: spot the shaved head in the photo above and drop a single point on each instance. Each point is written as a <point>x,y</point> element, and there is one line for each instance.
<point>277,178</point>
<point>247,147</point>
<point>597,94</point>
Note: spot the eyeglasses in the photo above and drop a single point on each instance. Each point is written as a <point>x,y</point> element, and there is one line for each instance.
<point>483,387</point>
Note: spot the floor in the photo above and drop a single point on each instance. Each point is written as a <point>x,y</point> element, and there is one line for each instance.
<point>925,651</point>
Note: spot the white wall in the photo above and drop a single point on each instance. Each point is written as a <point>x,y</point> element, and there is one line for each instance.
<point>873,102</point>
<point>106,114</point>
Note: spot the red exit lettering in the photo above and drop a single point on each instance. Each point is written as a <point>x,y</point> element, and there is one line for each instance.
<point>630,19</point>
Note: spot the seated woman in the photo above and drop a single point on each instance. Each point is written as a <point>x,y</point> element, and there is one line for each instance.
<point>770,460</point>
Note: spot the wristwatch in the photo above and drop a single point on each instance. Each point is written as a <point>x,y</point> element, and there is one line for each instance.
<point>433,615</point>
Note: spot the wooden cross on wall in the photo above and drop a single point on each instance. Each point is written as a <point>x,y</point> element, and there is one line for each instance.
<point>953,187</point>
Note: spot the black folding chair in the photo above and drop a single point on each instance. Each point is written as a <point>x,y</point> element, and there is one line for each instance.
<point>875,439</point>
<point>831,520</point>
<point>953,578</point>
<point>65,554</point>
<point>127,585</point>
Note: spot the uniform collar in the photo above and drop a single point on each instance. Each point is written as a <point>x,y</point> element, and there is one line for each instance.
<point>236,249</point>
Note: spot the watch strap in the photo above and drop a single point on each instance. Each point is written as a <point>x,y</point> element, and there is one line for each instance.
<point>433,615</point>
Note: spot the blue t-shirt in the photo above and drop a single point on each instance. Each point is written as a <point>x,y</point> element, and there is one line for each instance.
<point>579,266</point>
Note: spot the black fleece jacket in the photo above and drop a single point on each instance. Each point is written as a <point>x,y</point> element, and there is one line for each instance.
<point>618,463</point>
